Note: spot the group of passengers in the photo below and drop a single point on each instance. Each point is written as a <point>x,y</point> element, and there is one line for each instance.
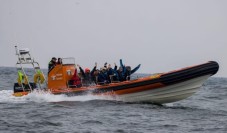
<point>105,75</point>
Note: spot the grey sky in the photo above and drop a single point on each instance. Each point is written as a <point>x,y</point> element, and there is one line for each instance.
<point>162,35</point>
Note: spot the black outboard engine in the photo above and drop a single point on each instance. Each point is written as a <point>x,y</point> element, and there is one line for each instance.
<point>19,88</point>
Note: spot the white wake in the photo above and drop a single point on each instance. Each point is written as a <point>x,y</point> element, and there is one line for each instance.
<point>39,96</point>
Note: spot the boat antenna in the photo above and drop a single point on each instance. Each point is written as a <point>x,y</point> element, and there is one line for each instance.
<point>16,50</point>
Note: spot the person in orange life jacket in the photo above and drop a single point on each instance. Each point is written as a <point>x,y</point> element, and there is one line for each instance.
<point>52,64</point>
<point>87,75</point>
<point>75,79</point>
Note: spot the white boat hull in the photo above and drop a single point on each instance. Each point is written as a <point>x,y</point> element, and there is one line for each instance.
<point>166,94</point>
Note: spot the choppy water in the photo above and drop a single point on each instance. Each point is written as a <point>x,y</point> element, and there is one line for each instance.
<point>206,111</point>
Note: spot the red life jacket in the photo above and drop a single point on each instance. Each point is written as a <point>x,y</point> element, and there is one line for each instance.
<point>76,78</point>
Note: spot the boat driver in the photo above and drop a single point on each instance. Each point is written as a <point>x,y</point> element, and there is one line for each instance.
<point>52,63</point>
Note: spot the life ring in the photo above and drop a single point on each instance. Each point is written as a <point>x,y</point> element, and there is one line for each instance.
<point>39,77</point>
<point>22,78</point>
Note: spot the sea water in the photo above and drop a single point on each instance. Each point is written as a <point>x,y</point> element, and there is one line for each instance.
<point>205,111</point>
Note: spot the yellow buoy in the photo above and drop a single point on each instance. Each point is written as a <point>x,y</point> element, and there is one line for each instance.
<point>39,77</point>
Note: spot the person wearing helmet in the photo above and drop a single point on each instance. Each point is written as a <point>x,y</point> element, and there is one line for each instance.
<point>52,63</point>
<point>87,70</point>
<point>87,75</point>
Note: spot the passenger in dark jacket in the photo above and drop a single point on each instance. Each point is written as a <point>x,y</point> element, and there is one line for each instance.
<point>109,71</point>
<point>120,74</point>
<point>102,76</point>
<point>127,72</point>
<point>52,63</point>
<point>95,76</point>
<point>87,76</point>
<point>112,73</point>
<point>94,73</point>
<point>59,61</point>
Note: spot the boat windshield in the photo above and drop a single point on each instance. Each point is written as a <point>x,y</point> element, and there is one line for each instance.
<point>68,61</point>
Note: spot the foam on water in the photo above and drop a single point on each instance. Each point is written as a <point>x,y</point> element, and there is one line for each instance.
<point>41,96</point>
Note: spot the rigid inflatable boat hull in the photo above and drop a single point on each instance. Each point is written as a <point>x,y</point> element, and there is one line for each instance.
<point>158,88</point>
<point>166,94</point>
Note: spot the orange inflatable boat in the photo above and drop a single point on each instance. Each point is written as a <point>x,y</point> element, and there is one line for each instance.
<point>157,88</point>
